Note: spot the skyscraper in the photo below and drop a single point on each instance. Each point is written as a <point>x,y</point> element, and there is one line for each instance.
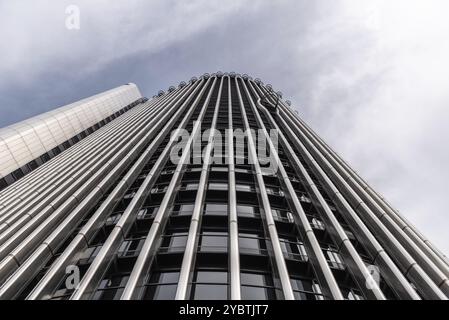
<point>215,189</point>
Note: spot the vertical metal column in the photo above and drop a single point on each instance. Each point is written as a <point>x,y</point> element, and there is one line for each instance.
<point>188,260</point>
<point>144,260</point>
<point>323,271</point>
<point>234,254</point>
<point>274,238</point>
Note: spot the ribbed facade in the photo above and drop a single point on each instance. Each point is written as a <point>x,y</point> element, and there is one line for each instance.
<point>114,216</point>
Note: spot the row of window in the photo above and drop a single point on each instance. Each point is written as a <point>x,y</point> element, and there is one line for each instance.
<point>33,164</point>
<point>210,285</point>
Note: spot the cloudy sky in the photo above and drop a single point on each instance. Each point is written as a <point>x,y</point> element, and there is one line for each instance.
<point>370,76</point>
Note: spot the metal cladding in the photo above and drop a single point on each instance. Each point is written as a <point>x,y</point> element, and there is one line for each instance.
<point>28,140</point>
<point>214,189</point>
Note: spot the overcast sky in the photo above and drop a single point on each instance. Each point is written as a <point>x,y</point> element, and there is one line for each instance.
<point>371,77</point>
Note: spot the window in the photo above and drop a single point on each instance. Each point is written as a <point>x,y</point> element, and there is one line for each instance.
<point>245,210</point>
<point>218,186</point>
<point>334,258</point>
<point>191,186</point>
<point>114,218</point>
<point>282,215</point>
<point>3,183</point>
<point>303,198</point>
<point>293,249</point>
<point>276,191</point>
<point>210,285</point>
<point>213,241</point>
<point>89,255</point>
<point>147,212</point>
<point>219,169</point>
<point>209,292</point>
<point>351,294</point>
<point>252,243</point>
<point>216,209</point>
<point>17,174</point>
<point>257,286</point>
<point>256,279</point>
<point>174,242</point>
<point>244,188</point>
<point>129,195</point>
<point>306,289</point>
<point>241,170</point>
<point>317,224</point>
<point>130,248</point>
<point>111,288</point>
<point>159,189</point>
<point>183,209</point>
<point>162,286</point>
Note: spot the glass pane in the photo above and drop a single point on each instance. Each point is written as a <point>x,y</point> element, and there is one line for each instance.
<point>210,292</point>
<point>247,210</point>
<point>216,207</point>
<point>244,187</point>
<point>257,293</point>
<point>164,277</point>
<point>218,186</point>
<point>255,279</point>
<point>108,294</point>
<point>302,284</point>
<point>251,245</point>
<point>211,277</point>
<point>162,292</point>
<point>213,242</point>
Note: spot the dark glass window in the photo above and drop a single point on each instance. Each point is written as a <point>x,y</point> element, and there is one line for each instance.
<point>245,188</point>
<point>306,289</point>
<point>162,285</point>
<point>211,277</point>
<point>256,279</point>
<point>258,293</point>
<point>333,257</point>
<point>174,242</point>
<point>351,294</point>
<point>216,209</point>
<point>111,288</point>
<point>209,292</point>
<point>130,247</point>
<point>147,212</point>
<point>257,286</point>
<point>282,215</point>
<point>89,255</point>
<point>219,169</point>
<point>293,249</point>
<point>191,186</point>
<point>246,210</point>
<point>3,183</point>
<point>213,241</point>
<point>183,209</point>
<point>17,174</point>
<point>210,285</point>
<point>218,186</point>
<point>252,243</point>
<point>32,164</point>
<point>114,218</point>
<point>161,292</point>
<point>166,277</point>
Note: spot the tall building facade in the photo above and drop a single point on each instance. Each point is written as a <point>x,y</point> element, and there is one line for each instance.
<point>215,189</point>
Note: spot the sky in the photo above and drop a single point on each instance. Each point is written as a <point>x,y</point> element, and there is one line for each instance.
<point>370,76</point>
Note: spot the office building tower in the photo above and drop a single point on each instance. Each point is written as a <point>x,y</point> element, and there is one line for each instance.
<point>215,189</point>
